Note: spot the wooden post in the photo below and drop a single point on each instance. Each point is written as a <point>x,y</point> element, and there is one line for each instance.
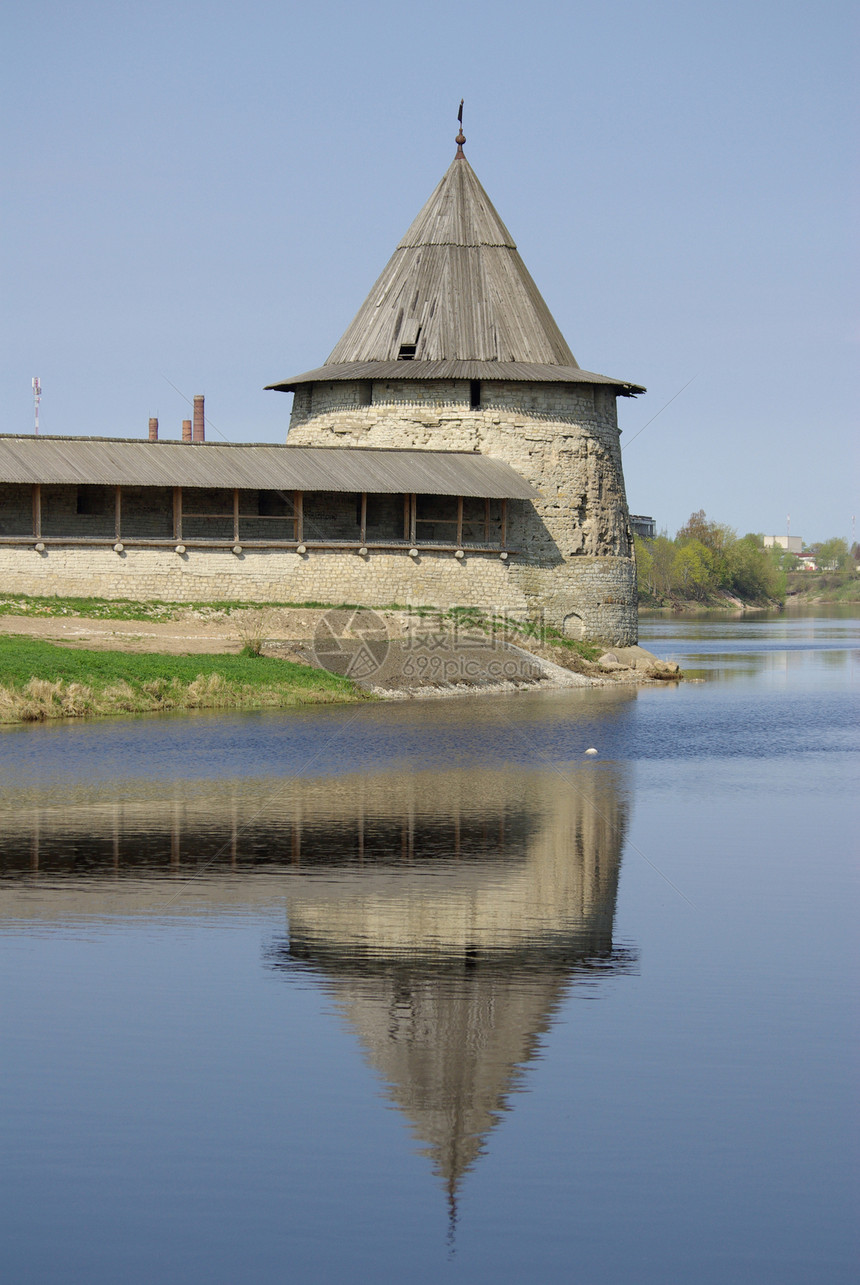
<point>177,512</point>
<point>459,521</point>
<point>235,516</point>
<point>299,510</point>
<point>487,520</point>
<point>504,522</point>
<point>37,510</point>
<point>406,517</point>
<point>175,840</point>
<point>363,534</point>
<point>413,516</point>
<point>117,512</point>
<point>116,840</point>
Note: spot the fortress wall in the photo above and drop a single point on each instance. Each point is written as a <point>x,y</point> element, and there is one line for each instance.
<point>595,589</point>
<point>264,575</point>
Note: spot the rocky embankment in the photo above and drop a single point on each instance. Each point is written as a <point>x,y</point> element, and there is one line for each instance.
<point>417,661</point>
<point>636,664</point>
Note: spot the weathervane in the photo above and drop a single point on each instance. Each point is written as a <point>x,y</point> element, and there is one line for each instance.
<point>461,137</point>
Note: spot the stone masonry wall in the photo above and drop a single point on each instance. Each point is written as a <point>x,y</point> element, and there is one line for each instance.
<point>278,575</point>
<point>573,556</point>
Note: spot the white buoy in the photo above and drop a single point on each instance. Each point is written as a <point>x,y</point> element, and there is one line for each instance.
<point>591,751</point>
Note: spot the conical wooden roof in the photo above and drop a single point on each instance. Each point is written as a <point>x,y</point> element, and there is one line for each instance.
<point>455,301</point>
<point>457,289</point>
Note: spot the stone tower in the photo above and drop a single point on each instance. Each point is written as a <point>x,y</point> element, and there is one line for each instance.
<point>454,349</point>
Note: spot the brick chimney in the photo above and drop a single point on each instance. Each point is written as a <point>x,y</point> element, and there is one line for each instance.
<point>153,429</point>
<point>199,434</point>
<point>186,430</point>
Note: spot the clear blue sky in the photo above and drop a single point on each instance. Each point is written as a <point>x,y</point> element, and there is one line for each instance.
<point>203,193</point>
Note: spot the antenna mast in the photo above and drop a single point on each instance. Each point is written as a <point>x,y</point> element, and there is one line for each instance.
<point>37,397</point>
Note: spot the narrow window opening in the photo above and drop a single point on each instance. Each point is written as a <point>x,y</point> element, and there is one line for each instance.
<point>408,349</point>
<point>475,394</point>
<point>365,393</point>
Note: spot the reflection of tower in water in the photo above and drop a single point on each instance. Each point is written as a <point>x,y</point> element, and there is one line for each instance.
<point>446,911</point>
<point>465,904</point>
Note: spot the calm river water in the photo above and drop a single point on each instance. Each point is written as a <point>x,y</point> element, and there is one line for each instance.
<point>421,992</point>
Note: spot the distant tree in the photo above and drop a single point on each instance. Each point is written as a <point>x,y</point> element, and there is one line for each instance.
<point>695,528</point>
<point>644,566</point>
<point>707,556</point>
<point>755,573</point>
<point>662,552</point>
<point>693,569</point>
<point>832,555</point>
<point>716,537</point>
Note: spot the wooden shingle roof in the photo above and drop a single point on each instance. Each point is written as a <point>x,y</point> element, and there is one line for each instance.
<point>377,471</point>
<point>455,296</point>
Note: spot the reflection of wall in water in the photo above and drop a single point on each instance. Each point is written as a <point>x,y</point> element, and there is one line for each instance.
<point>396,818</point>
<point>513,855</point>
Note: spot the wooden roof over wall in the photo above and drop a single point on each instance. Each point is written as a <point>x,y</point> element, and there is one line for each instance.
<point>130,462</point>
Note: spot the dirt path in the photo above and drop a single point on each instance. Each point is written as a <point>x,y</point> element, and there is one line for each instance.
<point>188,633</point>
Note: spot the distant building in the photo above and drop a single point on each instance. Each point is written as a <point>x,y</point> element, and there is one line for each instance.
<point>791,543</point>
<point>646,527</point>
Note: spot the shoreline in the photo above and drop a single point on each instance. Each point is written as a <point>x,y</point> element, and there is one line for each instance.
<point>703,609</point>
<point>60,699</point>
<point>57,664</point>
<point>734,606</point>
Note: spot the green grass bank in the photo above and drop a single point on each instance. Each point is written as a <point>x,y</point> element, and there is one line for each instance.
<point>39,680</point>
<point>155,610</point>
<point>811,587</point>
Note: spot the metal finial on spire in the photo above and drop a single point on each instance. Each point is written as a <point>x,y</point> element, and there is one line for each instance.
<point>461,137</point>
